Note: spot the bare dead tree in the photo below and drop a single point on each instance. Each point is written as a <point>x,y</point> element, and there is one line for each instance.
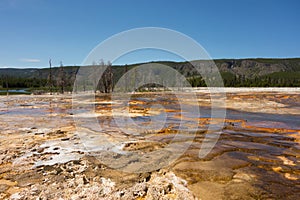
<point>50,83</point>
<point>84,86</point>
<point>109,78</point>
<point>61,82</point>
<point>126,78</point>
<point>135,78</point>
<point>105,84</point>
<point>72,82</point>
<point>95,72</point>
<point>6,84</point>
<point>102,80</point>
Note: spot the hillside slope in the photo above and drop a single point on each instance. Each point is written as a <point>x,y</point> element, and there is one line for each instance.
<point>235,72</point>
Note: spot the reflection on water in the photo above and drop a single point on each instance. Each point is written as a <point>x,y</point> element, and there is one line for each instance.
<point>15,91</point>
<point>257,152</point>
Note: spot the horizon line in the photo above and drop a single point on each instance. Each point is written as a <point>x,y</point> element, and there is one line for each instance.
<point>150,61</point>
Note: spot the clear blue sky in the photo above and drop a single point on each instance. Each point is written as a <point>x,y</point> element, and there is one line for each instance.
<point>32,31</point>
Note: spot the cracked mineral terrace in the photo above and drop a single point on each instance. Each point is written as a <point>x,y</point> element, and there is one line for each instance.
<point>45,154</point>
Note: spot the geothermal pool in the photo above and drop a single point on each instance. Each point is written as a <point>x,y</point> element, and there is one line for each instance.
<point>109,148</point>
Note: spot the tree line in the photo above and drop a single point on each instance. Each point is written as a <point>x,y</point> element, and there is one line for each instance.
<point>62,80</point>
<point>278,79</point>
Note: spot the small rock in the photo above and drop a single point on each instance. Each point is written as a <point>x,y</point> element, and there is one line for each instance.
<point>85,180</point>
<point>60,132</point>
<point>243,176</point>
<point>40,150</point>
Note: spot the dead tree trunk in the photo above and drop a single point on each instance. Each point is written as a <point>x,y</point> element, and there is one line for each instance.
<point>105,85</point>
<point>6,84</point>
<point>50,77</point>
<point>126,78</point>
<point>109,78</point>
<point>62,78</point>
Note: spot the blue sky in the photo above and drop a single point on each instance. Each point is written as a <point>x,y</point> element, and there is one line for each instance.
<point>32,31</point>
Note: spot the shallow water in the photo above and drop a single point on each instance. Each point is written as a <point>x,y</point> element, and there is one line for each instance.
<point>264,146</point>
<point>15,91</point>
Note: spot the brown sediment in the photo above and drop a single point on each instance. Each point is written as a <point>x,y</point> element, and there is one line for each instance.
<point>248,126</point>
<point>144,146</point>
<point>251,126</point>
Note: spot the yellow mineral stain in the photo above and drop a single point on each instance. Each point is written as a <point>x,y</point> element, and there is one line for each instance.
<point>290,176</point>
<point>277,169</point>
<point>7,182</point>
<point>286,161</point>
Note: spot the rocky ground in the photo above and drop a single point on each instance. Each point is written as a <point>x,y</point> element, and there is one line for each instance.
<point>46,154</point>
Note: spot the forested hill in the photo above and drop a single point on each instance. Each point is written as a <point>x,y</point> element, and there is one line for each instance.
<point>235,72</point>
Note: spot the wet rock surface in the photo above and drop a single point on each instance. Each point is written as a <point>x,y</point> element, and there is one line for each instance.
<point>45,154</point>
